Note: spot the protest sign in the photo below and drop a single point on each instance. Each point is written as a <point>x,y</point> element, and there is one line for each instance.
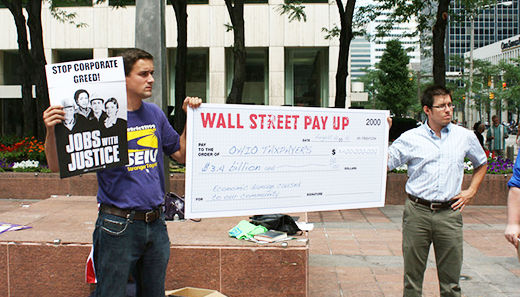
<point>246,160</point>
<point>93,96</point>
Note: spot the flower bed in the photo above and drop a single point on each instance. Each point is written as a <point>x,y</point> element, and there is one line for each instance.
<point>22,155</point>
<point>493,190</point>
<point>496,165</point>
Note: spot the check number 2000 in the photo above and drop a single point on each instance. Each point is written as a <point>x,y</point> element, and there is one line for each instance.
<point>373,122</point>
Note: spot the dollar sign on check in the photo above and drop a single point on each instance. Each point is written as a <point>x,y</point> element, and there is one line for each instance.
<point>333,152</point>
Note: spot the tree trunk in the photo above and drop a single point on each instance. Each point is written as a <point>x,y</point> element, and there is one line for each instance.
<point>34,22</point>
<point>236,13</point>
<point>439,37</point>
<point>345,38</point>
<point>181,15</point>
<point>28,109</point>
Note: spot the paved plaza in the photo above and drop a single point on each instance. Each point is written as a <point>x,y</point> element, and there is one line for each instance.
<point>358,253</point>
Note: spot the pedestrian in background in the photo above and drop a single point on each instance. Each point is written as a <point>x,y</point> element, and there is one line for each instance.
<point>496,137</point>
<point>478,128</point>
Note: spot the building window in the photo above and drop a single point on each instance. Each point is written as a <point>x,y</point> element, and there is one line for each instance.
<point>11,122</point>
<point>132,2</point>
<point>197,73</point>
<point>306,76</point>
<point>61,56</point>
<point>314,1</point>
<point>12,70</point>
<point>256,85</point>
<point>71,3</point>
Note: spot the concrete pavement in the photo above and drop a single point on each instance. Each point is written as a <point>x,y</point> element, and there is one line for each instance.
<point>358,253</point>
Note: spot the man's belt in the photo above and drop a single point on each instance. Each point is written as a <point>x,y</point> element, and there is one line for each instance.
<point>139,215</point>
<point>431,204</point>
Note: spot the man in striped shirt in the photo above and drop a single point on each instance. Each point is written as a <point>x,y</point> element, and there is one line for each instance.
<point>434,153</point>
<point>496,137</point>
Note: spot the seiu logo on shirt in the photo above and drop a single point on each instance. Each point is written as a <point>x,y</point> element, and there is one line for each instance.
<point>142,148</point>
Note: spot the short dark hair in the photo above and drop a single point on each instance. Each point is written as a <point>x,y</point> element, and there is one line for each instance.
<point>113,100</point>
<point>431,91</point>
<point>130,56</point>
<point>78,92</point>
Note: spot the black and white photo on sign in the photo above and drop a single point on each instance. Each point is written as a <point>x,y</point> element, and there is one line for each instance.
<point>92,94</point>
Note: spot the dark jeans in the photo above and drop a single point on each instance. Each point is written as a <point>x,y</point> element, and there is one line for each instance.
<point>125,246</point>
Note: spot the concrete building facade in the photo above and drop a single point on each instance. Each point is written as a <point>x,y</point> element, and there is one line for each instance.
<point>288,63</point>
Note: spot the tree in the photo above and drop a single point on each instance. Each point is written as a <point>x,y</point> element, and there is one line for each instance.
<point>432,17</point>
<point>484,85</point>
<point>346,14</point>
<point>32,65</point>
<point>181,15</point>
<point>372,85</point>
<point>510,85</point>
<point>396,87</point>
<point>439,36</point>
<point>236,13</point>
<point>33,59</point>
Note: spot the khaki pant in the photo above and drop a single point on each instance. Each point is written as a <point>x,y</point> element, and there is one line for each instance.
<point>421,227</point>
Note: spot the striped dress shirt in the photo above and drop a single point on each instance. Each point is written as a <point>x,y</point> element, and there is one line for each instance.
<point>435,165</point>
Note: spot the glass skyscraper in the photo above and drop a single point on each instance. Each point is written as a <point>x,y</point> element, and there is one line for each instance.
<point>493,22</point>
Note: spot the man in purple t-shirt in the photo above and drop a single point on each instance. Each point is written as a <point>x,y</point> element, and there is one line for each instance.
<point>130,235</point>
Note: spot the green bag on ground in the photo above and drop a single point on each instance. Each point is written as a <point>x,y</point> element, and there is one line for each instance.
<point>245,230</point>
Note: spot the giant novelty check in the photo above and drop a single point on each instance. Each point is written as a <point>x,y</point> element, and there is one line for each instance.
<point>246,160</point>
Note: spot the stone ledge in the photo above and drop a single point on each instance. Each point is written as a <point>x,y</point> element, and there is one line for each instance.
<point>201,255</point>
<point>18,185</point>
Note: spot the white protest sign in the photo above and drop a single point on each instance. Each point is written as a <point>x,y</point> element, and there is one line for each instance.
<point>246,160</point>
<point>93,96</point>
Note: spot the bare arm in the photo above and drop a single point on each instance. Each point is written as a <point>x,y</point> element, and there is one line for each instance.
<point>465,196</point>
<point>180,155</point>
<point>513,216</point>
<point>51,117</point>
<point>389,120</point>
<point>518,133</point>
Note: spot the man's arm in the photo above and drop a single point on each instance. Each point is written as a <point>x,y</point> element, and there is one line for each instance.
<point>389,120</point>
<point>465,196</point>
<point>517,133</point>
<point>51,117</point>
<point>180,155</point>
<point>513,216</point>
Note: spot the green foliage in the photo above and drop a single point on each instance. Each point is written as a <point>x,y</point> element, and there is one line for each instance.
<point>294,9</point>
<point>229,27</point>
<point>176,167</point>
<point>371,84</point>
<point>332,33</point>
<point>396,90</point>
<point>511,76</point>
<point>63,15</point>
<point>16,149</point>
<point>32,169</point>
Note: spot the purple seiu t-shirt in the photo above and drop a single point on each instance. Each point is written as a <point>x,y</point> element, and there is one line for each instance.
<point>515,179</point>
<point>140,185</point>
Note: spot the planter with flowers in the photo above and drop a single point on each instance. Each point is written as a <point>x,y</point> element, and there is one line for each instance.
<point>24,175</point>
<point>22,155</point>
<point>492,191</point>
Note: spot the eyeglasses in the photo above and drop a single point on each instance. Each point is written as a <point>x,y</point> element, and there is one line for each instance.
<point>444,106</point>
